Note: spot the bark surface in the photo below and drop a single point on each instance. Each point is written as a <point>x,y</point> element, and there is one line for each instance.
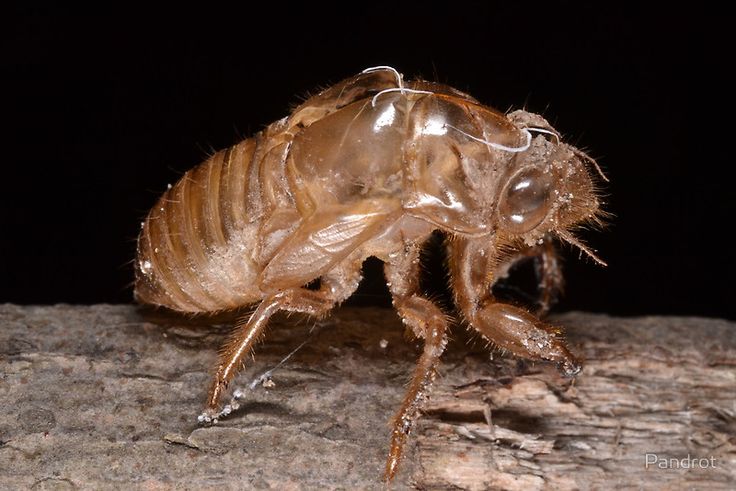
<point>106,397</point>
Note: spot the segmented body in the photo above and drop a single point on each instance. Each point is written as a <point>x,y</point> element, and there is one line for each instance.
<point>195,247</point>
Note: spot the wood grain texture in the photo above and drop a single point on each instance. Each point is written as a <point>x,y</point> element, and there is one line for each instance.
<point>103,397</point>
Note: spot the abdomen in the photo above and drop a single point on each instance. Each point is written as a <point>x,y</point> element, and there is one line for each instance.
<point>195,249</point>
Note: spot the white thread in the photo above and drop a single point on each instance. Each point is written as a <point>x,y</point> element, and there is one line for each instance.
<point>399,89</point>
<point>403,90</point>
<point>267,374</point>
<point>239,394</point>
<point>399,82</point>
<point>541,130</point>
<point>498,145</point>
<point>389,68</point>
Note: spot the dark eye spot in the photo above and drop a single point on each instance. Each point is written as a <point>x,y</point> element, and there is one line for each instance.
<point>525,201</point>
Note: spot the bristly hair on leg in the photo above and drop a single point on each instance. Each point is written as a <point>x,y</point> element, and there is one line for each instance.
<point>233,338</point>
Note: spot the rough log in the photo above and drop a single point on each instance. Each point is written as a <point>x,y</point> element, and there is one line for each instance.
<point>106,397</point>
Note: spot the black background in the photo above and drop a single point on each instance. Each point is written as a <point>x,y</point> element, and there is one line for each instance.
<point>102,109</point>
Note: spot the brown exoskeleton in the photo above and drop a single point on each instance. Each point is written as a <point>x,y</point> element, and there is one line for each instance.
<point>371,167</point>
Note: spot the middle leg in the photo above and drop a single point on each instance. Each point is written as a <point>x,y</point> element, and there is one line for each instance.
<point>426,321</point>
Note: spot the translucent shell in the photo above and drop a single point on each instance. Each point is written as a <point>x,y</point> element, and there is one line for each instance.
<point>525,201</point>
<point>370,167</point>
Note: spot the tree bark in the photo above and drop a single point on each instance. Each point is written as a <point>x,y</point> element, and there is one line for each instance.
<point>104,397</point>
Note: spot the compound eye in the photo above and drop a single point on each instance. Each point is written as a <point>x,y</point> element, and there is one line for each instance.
<point>525,201</point>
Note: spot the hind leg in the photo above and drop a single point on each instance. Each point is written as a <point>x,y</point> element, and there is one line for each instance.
<point>335,287</point>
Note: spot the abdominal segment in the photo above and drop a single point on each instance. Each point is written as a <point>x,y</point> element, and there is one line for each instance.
<point>195,247</point>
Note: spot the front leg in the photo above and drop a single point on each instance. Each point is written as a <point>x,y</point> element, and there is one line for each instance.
<point>507,326</point>
<point>427,322</point>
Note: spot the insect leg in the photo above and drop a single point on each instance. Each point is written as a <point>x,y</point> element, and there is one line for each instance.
<point>428,322</point>
<point>514,329</point>
<point>507,326</point>
<point>336,286</point>
<point>547,269</point>
<point>549,275</point>
<point>246,334</point>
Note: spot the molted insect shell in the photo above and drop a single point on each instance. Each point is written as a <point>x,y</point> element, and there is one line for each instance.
<point>372,167</point>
